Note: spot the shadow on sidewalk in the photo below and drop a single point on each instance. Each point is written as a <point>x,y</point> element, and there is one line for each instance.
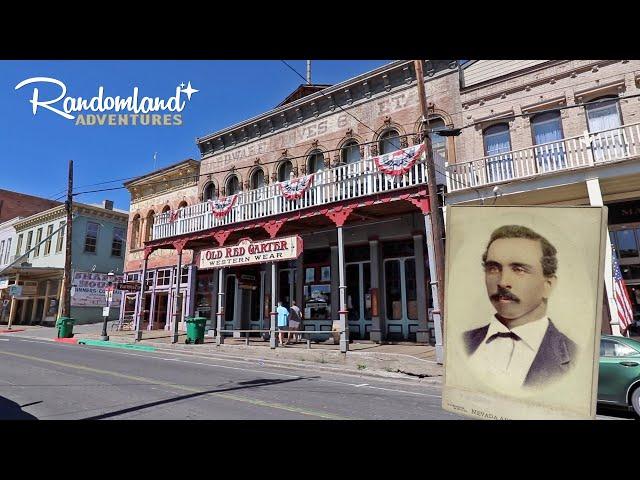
<point>248,384</point>
<point>10,410</point>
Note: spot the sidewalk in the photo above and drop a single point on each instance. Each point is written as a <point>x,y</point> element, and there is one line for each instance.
<point>400,360</point>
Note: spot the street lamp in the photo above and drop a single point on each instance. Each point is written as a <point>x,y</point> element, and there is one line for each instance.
<point>108,293</point>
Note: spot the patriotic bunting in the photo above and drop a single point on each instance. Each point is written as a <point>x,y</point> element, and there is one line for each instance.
<point>399,162</point>
<point>221,206</point>
<point>173,215</point>
<point>294,189</point>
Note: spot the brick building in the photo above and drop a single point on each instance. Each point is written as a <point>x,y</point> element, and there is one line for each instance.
<point>309,169</point>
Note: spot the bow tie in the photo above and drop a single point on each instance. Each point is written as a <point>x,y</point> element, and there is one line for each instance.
<point>502,335</point>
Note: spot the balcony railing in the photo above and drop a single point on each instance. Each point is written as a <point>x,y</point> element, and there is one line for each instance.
<point>346,182</point>
<point>587,150</point>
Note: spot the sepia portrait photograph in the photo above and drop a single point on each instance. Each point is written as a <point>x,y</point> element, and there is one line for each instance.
<point>523,304</point>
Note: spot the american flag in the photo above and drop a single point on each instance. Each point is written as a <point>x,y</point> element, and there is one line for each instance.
<point>621,296</point>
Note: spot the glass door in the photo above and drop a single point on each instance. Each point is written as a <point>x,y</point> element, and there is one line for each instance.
<point>401,298</point>
<point>604,121</point>
<point>359,299</point>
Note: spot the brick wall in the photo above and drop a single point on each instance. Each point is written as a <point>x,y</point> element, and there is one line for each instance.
<point>14,204</point>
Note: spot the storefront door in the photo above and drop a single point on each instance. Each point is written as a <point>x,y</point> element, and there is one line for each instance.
<point>160,311</point>
<point>359,299</point>
<point>286,290</point>
<point>401,298</point>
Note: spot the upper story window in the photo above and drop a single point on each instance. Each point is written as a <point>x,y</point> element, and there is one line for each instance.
<point>164,277</point>
<point>546,129</point>
<point>19,245</point>
<point>626,242</point>
<point>351,152</point>
<point>38,240</point>
<point>209,192</point>
<point>233,185</point>
<point>60,237</point>
<point>438,143</point>
<point>257,179</point>
<point>182,205</point>
<point>389,142</point>
<point>47,244</point>
<point>284,171</point>
<point>118,242</point>
<point>29,241</point>
<point>497,139</point>
<point>135,232</point>
<point>1,250</point>
<point>166,209</point>
<point>603,114</point>
<point>149,226</point>
<point>8,253</point>
<point>91,237</point>
<point>315,162</point>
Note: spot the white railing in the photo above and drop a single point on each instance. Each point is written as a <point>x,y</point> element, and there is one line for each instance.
<point>576,152</point>
<point>350,181</point>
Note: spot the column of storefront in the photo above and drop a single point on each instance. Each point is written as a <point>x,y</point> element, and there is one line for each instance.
<point>47,292</point>
<point>422,334</point>
<point>376,293</point>
<point>335,293</point>
<point>298,296</point>
<point>220,310</point>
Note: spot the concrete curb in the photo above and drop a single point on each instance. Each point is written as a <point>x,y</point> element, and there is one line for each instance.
<point>102,343</point>
<point>12,330</point>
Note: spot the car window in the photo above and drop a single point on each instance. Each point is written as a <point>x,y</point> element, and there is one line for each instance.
<point>609,348</point>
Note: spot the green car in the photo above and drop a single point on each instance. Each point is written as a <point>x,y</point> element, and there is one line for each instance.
<point>619,378</point>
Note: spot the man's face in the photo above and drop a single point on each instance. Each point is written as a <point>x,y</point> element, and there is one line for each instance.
<point>514,278</point>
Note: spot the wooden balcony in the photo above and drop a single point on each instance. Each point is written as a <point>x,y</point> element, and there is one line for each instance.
<point>331,186</point>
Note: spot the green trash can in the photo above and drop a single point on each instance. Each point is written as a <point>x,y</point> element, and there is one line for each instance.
<point>65,327</point>
<point>195,329</point>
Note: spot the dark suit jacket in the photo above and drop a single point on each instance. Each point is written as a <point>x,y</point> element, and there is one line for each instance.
<point>555,356</point>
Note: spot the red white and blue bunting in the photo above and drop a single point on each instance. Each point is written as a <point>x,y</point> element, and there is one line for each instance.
<point>399,162</point>
<point>294,189</point>
<point>221,206</point>
<point>173,215</point>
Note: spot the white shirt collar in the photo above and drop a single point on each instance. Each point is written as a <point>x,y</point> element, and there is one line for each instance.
<point>530,333</point>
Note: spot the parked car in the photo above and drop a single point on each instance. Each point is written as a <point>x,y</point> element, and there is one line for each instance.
<point>619,378</point>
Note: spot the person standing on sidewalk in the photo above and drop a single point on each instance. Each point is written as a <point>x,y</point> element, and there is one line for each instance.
<point>283,315</point>
<point>295,320</point>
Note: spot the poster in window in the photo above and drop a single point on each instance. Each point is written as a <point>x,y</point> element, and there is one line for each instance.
<point>325,274</point>
<point>523,302</point>
<point>309,276</point>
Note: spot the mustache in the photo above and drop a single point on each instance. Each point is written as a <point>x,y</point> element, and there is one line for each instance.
<point>503,292</point>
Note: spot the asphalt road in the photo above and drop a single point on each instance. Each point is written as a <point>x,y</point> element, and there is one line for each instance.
<point>41,379</point>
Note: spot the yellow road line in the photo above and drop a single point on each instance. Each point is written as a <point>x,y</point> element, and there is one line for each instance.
<point>261,403</point>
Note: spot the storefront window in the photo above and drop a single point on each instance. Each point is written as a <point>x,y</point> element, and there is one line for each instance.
<point>353,291</point>
<point>204,294</point>
<point>230,299</point>
<point>164,277</point>
<point>627,244</point>
<point>317,302</point>
<point>366,281</point>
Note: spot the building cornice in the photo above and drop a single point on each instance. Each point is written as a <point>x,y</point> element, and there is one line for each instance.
<point>58,213</point>
<point>158,175</point>
<point>404,78</point>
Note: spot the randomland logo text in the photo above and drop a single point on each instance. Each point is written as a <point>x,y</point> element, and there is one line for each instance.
<point>116,111</point>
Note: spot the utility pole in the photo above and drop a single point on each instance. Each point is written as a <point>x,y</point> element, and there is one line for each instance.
<point>437,247</point>
<point>309,72</point>
<point>66,301</point>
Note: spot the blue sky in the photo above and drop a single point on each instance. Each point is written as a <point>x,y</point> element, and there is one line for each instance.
<point>35,149</point>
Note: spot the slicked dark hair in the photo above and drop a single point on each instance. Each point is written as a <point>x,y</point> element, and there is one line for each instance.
<point>549,260</point>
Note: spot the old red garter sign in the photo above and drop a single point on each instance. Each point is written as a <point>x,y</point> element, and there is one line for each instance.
<point>248,252</point>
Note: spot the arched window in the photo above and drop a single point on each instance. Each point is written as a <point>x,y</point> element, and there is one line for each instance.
<point>497,145</point>
<point>351,152</point>
<point>315,162</point>
<point>166,209</point>
<point>233,185</point>
<point>149,226</point>
<point>438,143</point>
<point>257,179</point>
<point>546,129</point>
<point>284,171</point>
<point>182,204</point>
<point>209,192</point>
<point>389,141</point>
<point>135,232</point>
